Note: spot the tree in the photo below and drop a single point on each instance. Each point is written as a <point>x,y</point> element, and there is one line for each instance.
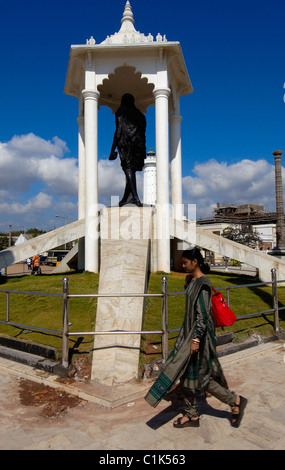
<point>35,232</point>
<point>242,234</point>
<point>4,241</point>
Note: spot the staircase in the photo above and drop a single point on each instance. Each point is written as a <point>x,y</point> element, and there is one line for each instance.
<point>42,243</point>
<point>195,235</point>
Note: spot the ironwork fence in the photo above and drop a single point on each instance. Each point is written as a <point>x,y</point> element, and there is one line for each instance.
<point>66,296</point>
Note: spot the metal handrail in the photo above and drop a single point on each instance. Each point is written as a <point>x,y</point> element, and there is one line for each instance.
<point>65,333</point>
<point>30,293</point>
<point>113,295</point>
<point>164,310</point>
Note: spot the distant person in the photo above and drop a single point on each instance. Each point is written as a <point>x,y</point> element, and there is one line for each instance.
<point>129,139</point>
<point>194,359</point>
<point>36,265</point>
<point>29,263</point>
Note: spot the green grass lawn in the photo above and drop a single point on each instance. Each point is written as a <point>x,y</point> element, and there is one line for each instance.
<point>47,311</point>
<point>242,301</point>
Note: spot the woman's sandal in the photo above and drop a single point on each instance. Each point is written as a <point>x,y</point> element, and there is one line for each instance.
<point>237,417</point>
<point>193,423</point>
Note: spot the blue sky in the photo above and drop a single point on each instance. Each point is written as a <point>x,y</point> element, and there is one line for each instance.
<point>234,52</point>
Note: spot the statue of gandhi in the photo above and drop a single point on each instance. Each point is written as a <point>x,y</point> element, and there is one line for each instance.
<point>129,139</point>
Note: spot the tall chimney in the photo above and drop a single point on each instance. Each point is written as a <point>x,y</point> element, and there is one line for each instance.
<point>280,226</point>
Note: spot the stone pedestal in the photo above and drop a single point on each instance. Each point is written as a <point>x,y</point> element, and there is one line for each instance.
<point>125,246</point>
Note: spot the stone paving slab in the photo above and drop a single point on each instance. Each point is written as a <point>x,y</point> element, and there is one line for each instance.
<point>257,373</point>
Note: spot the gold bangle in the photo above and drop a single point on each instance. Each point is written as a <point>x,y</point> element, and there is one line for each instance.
<point>196,341</point>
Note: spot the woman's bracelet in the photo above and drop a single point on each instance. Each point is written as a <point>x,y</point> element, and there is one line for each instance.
<point>196,341</point>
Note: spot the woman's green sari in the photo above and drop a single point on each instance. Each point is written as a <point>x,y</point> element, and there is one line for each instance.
<point>194,371</point>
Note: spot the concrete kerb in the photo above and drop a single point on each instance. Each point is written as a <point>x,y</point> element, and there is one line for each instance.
<point>121,394</point>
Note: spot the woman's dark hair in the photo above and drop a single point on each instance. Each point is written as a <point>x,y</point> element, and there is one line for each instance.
<point>195,253</point>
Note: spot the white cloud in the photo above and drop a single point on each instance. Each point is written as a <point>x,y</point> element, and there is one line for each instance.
<point>112,180</point>
<point>38,180</point>
<point>29,159</point>
<point>243,182</point>
<point>33,145</point>
<point>60,175</point>
<point>38,203</point>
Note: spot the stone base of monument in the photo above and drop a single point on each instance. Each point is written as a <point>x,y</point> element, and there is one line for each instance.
<point>113,396</point>
<point>124,250</point>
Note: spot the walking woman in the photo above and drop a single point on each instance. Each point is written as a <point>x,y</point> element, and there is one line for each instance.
<point>194,359</point>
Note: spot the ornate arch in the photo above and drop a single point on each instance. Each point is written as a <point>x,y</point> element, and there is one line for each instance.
<point>126,79</point>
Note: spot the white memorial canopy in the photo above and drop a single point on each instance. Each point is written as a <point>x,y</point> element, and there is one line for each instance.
<point>154,71</point>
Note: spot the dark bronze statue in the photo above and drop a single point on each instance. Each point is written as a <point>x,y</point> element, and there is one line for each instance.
<point>129,139</point>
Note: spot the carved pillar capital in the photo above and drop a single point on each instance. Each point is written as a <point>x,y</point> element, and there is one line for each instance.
<point>161,92</point>
<point>90,94</point>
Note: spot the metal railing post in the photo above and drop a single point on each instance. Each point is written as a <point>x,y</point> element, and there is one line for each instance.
<point>7,306</point>
<point>275,301</point>
<point>65,322</point>
<point>164,318</point>
<point>228,297</point>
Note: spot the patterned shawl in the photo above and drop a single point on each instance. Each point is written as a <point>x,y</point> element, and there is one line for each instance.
<point>194,371</point>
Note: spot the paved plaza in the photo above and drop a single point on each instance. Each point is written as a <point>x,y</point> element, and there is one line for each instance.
<point>257,373</point>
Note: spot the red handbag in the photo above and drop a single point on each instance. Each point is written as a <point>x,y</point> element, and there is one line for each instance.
<point>222,313</point>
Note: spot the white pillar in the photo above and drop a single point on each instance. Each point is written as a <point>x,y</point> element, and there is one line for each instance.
<point>81,187</point>
<point>81,168</point>
<point>162,178</point>
<point>176,166</point>
<point>91,98</point>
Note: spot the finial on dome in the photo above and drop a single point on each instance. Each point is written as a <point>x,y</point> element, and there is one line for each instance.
<point>128,34</point>
<point>128,14</point>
